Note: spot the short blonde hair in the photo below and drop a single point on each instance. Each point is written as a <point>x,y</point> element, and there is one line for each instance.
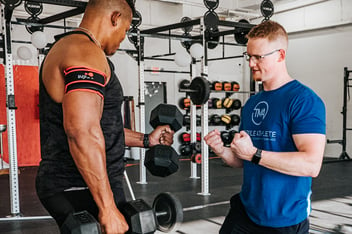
<point>270,30</point>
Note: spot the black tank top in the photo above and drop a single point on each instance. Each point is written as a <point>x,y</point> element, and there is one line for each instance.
<point>57,170</point>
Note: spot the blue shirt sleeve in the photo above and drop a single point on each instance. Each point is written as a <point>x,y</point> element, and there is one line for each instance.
<point>308,114</point>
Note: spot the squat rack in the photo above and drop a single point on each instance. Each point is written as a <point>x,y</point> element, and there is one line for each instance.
<point>202,38</point>
<point>346,96</point>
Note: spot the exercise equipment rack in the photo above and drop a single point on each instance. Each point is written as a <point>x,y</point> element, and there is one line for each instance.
<point>165,32</point>
<point>346,97</point>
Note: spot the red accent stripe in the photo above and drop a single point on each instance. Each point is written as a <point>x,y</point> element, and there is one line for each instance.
<point>83,81</point>
<point>86,90</point>
<point>83,68</point>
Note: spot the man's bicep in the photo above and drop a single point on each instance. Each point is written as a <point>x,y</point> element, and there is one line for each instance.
<point>81,110</point>
<point>310,143</point>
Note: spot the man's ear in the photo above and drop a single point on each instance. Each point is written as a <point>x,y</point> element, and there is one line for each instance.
<point>282,53</point>
<point>115,16</point>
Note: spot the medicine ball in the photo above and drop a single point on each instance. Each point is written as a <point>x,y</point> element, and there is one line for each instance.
<point>235,119</point>
<point>217,85</point>
<point>235,86</point>
<point>185,103</point>
<point>236,104</point>
<point>226,119</point>
<point>215,119</point>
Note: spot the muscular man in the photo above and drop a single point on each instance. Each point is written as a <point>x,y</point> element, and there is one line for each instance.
<point>82,135</point>
<point>280,144</point>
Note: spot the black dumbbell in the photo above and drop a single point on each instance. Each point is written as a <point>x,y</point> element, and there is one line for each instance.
<point>226,138</point>
<point>165,215</point>
<point>162,160</point>
<point>232,134</point>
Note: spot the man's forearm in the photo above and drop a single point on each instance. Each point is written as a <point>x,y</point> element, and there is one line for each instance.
<point>88,152</point>
<point>230,159</point>
<point>133,139</point>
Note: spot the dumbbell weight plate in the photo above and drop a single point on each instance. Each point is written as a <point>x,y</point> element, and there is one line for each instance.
<point>196,158</point>
<point>166,114</point>
<point>186,43</point>
<point>33,28</point>
<point>11,4</point>
<point>201,86</point>
<point>168,212</point>
<point>212,38</point>
<point>186,29</point>
<point>211,21</point>
<point>33,8</point>
<point>137,19</point>
<point>211,4</point>
<point>240,34</point>
<point>161,160</point>
<point>184,84</point>
<point>80,223</point>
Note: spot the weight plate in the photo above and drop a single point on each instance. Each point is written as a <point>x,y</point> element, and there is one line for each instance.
<point>201,85</point>
<point>32,28</point>
<point>196,158</point>
<point>212,39</point>
<point>11,4</point>
<point>211,21</point>
<point>168,212</point>
<point>137,19</point>
<point>189,28</point>
<point>211,4</point>
<point>187,43</point>
<point>132,37</point>
<point>240,35</point>
<point>33,8</point>
<point>267,8</point>
<point>184,84</point>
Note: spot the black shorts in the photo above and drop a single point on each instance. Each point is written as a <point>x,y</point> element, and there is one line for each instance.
<point>238,222</point>
<point>62,204</point>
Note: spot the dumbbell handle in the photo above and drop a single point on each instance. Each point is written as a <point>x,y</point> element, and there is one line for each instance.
<point>129,185</point>
<point>158,214</point>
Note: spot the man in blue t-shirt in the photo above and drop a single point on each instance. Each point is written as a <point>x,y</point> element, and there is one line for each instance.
<point>280,144</point>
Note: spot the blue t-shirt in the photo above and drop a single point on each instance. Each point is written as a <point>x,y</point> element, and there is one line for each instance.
<point>271,118</point>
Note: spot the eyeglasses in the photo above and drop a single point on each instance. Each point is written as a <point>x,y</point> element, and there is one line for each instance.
<point>256,58</point>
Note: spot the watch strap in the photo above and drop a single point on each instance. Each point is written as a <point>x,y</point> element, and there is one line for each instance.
<point>257,156</point>
<point>146,141</point>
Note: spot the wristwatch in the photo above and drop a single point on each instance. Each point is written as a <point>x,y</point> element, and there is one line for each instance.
<point>257,156</point>
<point>146,140</point>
